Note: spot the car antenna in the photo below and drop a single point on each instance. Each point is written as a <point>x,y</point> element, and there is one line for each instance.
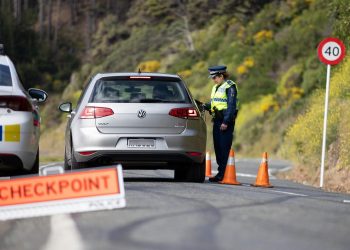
<point>140,71</point>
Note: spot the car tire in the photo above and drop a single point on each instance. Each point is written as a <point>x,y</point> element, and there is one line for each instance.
<point>194,172</point>
<point>197,172</point>
<point>180,174</point>
<point>67,162</point>
<point>35,168</point>
<point>74,163</point>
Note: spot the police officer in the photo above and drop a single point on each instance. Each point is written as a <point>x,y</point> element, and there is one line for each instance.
<point>223,106</point>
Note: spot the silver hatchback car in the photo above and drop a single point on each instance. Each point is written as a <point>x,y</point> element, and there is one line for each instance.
<point>142,120</point>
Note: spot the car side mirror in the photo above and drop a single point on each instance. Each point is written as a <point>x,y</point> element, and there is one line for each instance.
<point>37,94</point>
<point>66,107</point>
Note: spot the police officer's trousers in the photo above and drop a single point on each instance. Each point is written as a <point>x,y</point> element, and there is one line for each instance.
<point>222,144</point>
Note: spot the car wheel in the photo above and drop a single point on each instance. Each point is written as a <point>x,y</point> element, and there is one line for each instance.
<point>194,172</point>
<point>67,162</point>
<point>35,168</point>
<point>180,174</point>
<point>74,163</point>
<point>197,172</point>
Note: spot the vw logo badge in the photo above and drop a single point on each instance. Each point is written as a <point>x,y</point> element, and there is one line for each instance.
<point>141,113</point>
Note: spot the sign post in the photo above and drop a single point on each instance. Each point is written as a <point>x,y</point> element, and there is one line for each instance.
<point>330,51</point>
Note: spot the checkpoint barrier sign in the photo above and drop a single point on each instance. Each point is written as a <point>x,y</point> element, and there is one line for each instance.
<point>89,190</point>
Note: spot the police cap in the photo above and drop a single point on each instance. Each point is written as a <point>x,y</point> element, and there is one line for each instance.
<point>215,70</point>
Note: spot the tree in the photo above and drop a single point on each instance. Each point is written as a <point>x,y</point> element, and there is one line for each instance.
<point>90,23</point>
<point>181,11</point>
<point>41,18</point>
<point>17,10</point>
<point>57,23</point>
<point>49,17</point>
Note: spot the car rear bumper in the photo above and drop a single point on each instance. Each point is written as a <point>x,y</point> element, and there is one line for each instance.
<point>10,162</point>
<point>19,137</point>
<point>186,147</point>
<point>143,160</point>
<point>26,150</point>
<point>16,160</point>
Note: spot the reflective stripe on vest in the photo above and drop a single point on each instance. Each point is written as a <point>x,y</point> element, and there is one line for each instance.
<point>219,96</point>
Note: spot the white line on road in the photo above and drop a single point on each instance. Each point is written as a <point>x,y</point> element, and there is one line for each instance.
<point>282,192</point>
<point>346,201</point>
<point>50,164</point>
<point>247,175</point>
<point>64,234</point>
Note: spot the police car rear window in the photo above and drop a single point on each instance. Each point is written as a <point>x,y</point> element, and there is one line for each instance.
<point>139,91</point>
<point>5,76</point>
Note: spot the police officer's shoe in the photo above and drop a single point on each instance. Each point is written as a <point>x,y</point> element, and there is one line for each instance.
<point>215,178</point>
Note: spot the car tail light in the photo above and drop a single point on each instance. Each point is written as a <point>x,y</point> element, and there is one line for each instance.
<point>87,153</point>
<point>194,153</point>
<point>186,113</point>
<point>36,123</point>
<point>95,112</point>
<point>139,77</point>
<point>16,103</point>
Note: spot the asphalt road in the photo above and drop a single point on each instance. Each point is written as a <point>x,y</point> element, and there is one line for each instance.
<point>163,214</point>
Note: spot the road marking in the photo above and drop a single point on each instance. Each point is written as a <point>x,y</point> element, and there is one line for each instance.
<point>346,201</point>
<point>282,192</point>
<point>247,175</point>
<point>64,234</point>
<point>51,164</point>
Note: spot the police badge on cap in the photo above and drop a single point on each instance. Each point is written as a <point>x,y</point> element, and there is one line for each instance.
<point>215,70</point>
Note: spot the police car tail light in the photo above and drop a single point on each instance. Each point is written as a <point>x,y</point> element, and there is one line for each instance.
<point>95,112</point>
<point>16,103</point>
<point>187,113</point>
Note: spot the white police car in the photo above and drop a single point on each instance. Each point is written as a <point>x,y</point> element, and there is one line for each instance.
<point>19,120</point>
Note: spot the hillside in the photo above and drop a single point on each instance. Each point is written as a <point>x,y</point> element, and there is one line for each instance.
<point>268,46</point>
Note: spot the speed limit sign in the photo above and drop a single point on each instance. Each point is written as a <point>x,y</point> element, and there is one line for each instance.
<point>331,51</point>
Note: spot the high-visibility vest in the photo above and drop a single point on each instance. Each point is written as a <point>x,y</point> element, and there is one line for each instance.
<point>219,97</point>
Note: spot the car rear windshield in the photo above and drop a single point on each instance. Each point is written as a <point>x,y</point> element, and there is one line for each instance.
<point>5,76</point>
<point>153,90</point>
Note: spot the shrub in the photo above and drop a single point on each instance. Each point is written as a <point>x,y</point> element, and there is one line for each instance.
<point>149,66</point>
<point>185,73</point>
<point>288,89</point>
<point>303,140</point>
<point>263,35</point>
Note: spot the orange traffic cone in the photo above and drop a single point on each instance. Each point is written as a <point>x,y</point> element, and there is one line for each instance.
<point>262,179</point>
<point>207,165</point>
<point>230,171</point>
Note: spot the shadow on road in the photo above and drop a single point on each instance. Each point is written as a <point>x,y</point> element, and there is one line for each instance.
<point>148,179</point>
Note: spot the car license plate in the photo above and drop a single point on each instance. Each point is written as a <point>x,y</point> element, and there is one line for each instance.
<point>141,143</point>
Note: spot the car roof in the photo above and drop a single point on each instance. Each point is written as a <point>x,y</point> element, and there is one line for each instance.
<point>4,60</point>
<point>16,88</point>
